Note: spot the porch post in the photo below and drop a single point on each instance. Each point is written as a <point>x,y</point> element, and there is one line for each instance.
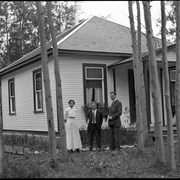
<point>114,79</point>
<point>147,92</point>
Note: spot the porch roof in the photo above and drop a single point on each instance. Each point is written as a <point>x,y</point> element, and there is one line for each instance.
<point>145,57</point>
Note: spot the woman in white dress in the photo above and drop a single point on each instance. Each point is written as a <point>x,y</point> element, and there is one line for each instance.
<point>72,132</point>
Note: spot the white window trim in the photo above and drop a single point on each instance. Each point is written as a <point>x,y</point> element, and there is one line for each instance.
<point>102,79</point>
<point>11,81</point>
<point>37,91</point>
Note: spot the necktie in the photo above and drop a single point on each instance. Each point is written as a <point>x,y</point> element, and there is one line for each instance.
<point>93,118</point>
<point>112,103</point>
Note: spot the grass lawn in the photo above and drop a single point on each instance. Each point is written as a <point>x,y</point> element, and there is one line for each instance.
<point>125,163</point>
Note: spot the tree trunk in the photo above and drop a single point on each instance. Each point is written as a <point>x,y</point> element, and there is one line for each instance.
<point>137,82</point>
<point>59,101</point>
<point>2,170</point>
<point>171,156</point>
<point>177,86</point>
<point>155,83</point>
<point>142,88</point>
<point>44,61</point>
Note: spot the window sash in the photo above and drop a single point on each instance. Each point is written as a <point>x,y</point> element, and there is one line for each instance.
<point>172,75</point>
<point>38,100</point>
<point>12,103</point>
<point>38,97</point>
<point>94,84</point>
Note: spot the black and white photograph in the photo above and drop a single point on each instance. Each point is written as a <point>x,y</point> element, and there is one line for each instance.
<point>90,89</point>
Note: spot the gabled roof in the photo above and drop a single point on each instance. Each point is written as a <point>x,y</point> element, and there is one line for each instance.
<point>37,51</point>
<point>101,35</point>
<point>92,35</point>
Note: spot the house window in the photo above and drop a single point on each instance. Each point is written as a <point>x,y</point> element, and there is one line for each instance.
<point>172,89</point>
<point>12,103</point>
<point>95,83</point>
<point>37,83</point>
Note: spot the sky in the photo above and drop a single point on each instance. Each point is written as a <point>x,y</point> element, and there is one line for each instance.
<point>117,11</point>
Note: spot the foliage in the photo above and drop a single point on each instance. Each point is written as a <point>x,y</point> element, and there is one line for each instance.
<point>28,141</point>
<point>19,26</point>
<point>128,137</point>
<point>170,20</point>
<point>130,120</point>
<point>104,164</point>
<point>104,108</point>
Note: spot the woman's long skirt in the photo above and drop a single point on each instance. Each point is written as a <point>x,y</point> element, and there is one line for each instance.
<point>72,135</point>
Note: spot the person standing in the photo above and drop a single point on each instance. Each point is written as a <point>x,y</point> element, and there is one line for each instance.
<point>72,132</point>
<point>95,118</point>
<point>114,122</point>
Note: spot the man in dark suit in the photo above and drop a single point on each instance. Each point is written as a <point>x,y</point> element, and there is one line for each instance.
<point>95,118</point>
<point>114,122</point>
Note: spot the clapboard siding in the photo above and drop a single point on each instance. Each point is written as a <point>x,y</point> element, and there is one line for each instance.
<point>171,55</point>
<point>72,88</point>
<point>122,90</point>
<point>25,118</point>
<point>72,81</point>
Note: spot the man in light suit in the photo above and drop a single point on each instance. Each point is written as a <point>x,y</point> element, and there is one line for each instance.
<point>95,118</point>
<point>114,122</point>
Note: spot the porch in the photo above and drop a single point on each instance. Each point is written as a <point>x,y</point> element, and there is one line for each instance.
<point>127,65</point>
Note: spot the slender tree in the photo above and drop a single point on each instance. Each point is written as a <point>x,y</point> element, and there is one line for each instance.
<point>142,86</point>
<point>2,170</point>
<point>171,157</point>
<point>59,101</point>
<point>156,95</point>
<point>44,61</point>
<point>137,81</point>
<point>19,26</point>
<point>177,85</point>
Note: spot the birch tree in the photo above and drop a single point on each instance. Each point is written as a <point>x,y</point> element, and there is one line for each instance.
<point>2,170</point>
<point>142,85</point>
<point>44,61</point>
<point>59,102</point>
<point>171,156</point>
<point>137,81</point>
<point>177,85</point>
<point>155,84</point>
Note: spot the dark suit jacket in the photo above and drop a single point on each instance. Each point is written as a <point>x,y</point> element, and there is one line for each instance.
<point>99,118</point>
<point>115,111</point>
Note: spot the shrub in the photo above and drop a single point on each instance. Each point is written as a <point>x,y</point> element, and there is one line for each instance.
<point>127,137</point>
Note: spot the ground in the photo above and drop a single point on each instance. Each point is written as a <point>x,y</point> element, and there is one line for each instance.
<point>125,163</point>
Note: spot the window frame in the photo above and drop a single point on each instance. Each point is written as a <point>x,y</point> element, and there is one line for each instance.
<point>10,97</point>
<point>170,84</point>
<point>36,110</point>
<point>170,72</point>
<point>104,79</point>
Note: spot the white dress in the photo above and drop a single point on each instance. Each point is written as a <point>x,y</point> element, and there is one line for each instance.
<point>72,132</point>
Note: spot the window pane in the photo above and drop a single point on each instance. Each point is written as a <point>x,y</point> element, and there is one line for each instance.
<point>94,73</point>
<point>38,81</point>
<point>13,104</point>
<point>94,83</point>
<point>172,89</point>
<point>173,75</point>
<point>12,88</point>
<point>94,94</point>
<point>39,100</point>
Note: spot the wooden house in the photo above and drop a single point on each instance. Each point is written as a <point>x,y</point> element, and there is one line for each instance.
<point>95,58</point>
